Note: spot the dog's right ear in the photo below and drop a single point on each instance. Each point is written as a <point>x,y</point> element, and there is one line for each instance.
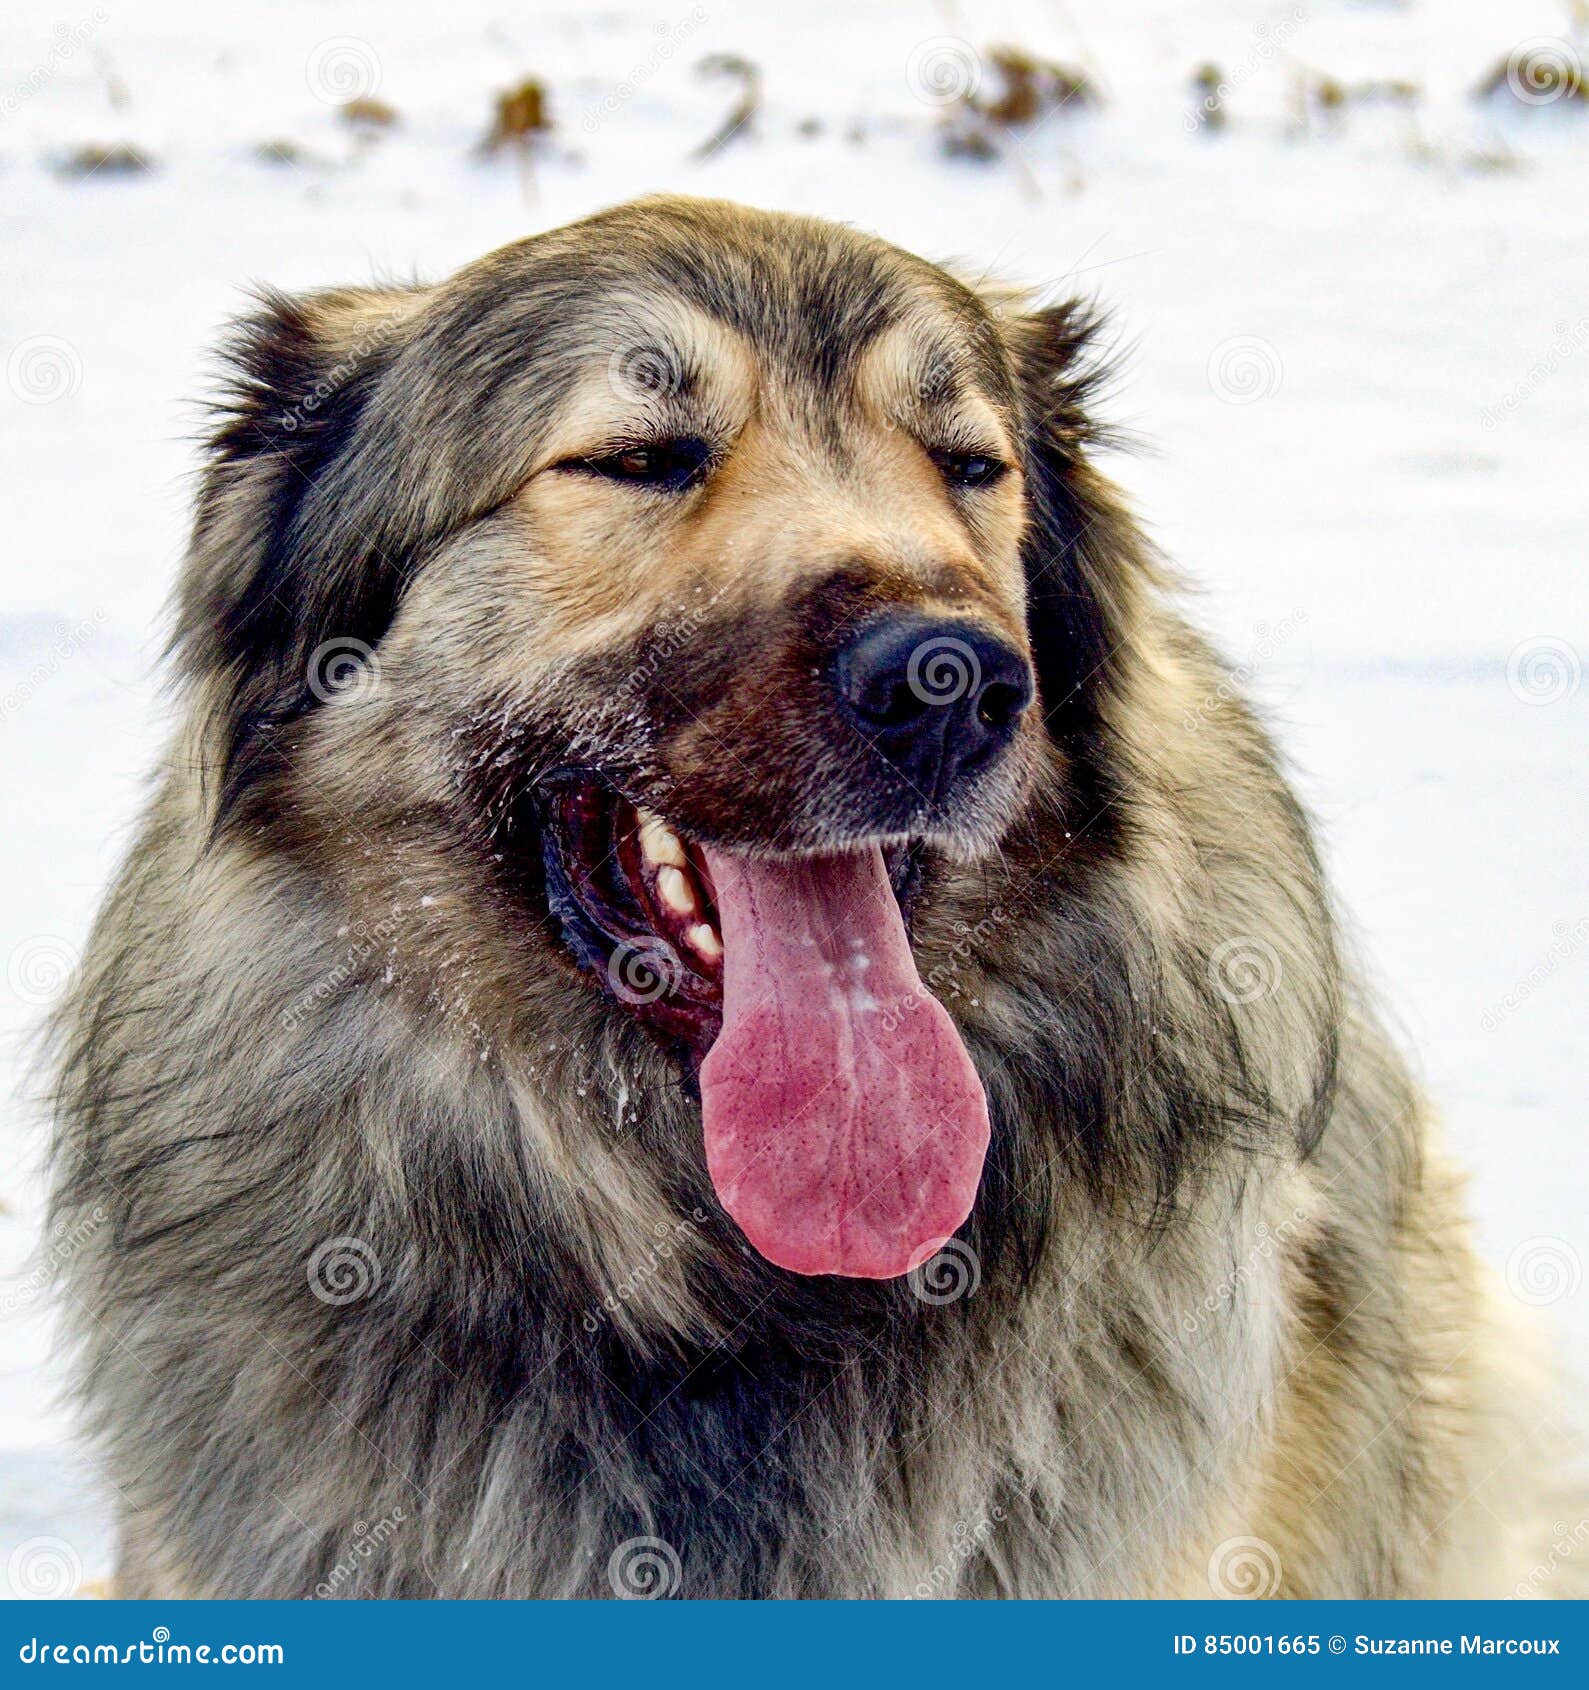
<point>1084,557</point>
<point>271,573</point>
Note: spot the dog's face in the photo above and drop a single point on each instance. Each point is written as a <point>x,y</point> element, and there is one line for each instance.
<point>684,532</point>
<point>762,589</point>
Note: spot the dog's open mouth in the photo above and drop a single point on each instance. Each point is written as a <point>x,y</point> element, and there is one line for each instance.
<point>845,1124</point>
<point>634,904</point>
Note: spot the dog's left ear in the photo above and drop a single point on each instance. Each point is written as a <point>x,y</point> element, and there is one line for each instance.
<point>1083,556</point>
<point>278,563</point>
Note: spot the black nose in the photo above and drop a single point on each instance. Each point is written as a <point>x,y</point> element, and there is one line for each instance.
<point>936,697</point>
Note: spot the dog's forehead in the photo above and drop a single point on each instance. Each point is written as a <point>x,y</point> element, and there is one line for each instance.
<point>655,283</point>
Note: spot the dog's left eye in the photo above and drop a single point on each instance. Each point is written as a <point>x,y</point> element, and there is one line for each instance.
<point>969,469</point>
<point>671,465</point>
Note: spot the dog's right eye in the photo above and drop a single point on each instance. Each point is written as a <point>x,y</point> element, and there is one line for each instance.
<point>669,465</point>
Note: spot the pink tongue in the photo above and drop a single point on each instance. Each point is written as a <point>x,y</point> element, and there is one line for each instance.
<point>845,1124</point>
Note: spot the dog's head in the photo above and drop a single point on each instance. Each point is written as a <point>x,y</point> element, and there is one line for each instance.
<point>689,575</point>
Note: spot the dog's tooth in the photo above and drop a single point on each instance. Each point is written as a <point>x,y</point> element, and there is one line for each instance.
<point>674,888</point>
<point>703,940</point>
<point>659,843</point>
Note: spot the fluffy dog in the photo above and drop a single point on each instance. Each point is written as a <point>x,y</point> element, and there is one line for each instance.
<point>719,997</point>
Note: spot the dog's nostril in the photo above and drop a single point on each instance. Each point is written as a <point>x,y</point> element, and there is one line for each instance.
<point>898,708</point>
<point>933,696</point>
<point>1001,703</point>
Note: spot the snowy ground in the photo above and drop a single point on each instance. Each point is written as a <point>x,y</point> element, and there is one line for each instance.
<point>1356,346</point>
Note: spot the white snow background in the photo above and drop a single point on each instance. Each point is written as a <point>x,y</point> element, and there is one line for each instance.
<point>1354,340</point>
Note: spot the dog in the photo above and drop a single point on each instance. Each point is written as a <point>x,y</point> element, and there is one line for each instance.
<point>719,997</point>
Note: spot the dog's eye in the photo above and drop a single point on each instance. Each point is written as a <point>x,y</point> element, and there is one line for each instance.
<point>671,465</point>
<point>969,469</point>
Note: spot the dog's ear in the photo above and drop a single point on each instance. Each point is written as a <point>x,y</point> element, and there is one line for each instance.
<point>273,572</point>
<point>1083,556</point>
